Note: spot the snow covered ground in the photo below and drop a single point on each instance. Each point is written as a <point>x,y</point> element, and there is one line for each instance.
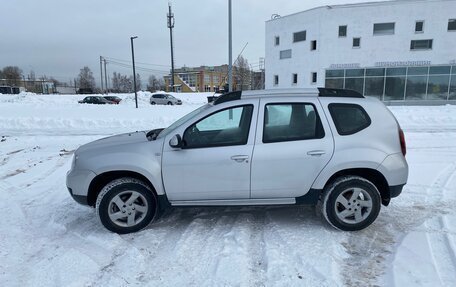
<point>47,239</point>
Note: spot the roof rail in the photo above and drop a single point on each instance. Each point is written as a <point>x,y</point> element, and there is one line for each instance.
<point>327,92</point>
<point>230,96</point>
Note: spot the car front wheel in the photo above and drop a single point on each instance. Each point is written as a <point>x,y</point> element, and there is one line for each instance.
<point>126,205</point>
<point>351,203</point>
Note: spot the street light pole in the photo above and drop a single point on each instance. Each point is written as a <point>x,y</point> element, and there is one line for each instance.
<point>134,71</point>
<point>230,50</point>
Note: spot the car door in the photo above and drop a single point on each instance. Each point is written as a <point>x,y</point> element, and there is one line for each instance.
<point>214,163</point>
<point>292,146</point>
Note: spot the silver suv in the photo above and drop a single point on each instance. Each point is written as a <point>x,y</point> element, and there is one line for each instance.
<point>330,147</point>
<point>164,99</point>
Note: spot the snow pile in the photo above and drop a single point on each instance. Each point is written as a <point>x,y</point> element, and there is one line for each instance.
<point>50,114</point>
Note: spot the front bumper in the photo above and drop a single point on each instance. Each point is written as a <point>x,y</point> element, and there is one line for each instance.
<point>78,182</point>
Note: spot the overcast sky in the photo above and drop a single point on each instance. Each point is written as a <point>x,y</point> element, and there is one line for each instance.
<point>58,37</point>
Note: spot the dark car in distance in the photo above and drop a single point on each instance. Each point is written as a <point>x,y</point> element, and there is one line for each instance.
<point>114,99</point>
<point>95,100</point>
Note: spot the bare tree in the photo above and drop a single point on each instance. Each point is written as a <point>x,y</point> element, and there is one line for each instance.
<point>85,79</point>
<point>31,76</point>
<point>241,74</point>
<point>13,75</point>
<point>155,84</point>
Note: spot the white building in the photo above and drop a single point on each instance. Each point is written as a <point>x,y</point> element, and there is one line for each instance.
<point>394,50</point>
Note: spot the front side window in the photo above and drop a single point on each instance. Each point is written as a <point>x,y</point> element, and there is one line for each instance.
<point>299,36</point>
<point>349,118</point>
<point>291,122</point>
<point>224,128</point>
<point>384,29</point>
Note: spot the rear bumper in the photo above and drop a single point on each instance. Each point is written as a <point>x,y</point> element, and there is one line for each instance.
<point>396,190</point>
<point>81,199</point>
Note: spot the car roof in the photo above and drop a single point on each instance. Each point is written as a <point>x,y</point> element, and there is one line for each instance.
<point>316,92</point>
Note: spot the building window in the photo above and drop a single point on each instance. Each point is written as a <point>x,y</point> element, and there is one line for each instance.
<point>285,54</point>
<point>419,26</point>
<point>314,77</point>
<point>384,29</point>
<point>276,40</point>
<point>452,25</point>
<point>276,80</point>
<point>356,42</point>
<point>313,45</point>
<point>295,79</point>
<point>421,44</point>
<point>343,31</point>
<point>299,36</point>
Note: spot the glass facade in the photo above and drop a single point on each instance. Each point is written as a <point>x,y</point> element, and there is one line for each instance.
<point>398,83</point>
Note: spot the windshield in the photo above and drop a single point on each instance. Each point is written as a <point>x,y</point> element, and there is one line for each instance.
<point>182,120</point>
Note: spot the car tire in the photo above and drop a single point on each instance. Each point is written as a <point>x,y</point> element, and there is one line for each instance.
<point>152,103</point>
<point>350,203</point>
<point>126,205</point>
<point>170,104</point>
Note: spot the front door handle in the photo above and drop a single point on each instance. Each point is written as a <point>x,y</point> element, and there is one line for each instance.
<point>240,158</point>
<point>316,152</point>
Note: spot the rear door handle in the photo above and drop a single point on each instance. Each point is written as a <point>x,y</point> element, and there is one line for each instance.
<point>240,158</point>
<point>316,152</point>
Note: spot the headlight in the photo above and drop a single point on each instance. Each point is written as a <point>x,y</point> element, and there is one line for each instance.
<point>73,163</point>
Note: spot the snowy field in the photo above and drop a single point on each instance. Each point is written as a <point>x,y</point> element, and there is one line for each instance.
<point>47,239</point>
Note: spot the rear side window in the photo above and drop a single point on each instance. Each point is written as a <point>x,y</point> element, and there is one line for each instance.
<point>349,118</point>
<point>291,122</point>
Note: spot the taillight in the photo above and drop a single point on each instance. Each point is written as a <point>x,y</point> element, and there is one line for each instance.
<point>402,140</point>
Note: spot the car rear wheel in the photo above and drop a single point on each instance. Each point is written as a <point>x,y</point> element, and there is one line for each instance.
<point>126,205</point>
<point>152,103</point>
<point>351,203</point>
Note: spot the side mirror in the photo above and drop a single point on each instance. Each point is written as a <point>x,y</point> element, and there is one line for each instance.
<point>176,141</point>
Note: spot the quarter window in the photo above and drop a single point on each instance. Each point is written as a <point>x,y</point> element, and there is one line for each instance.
<point>224,128</point>
<point>384,29</point>
<point>299,36</point>
<point>291,122</point>
<point>349,118</point>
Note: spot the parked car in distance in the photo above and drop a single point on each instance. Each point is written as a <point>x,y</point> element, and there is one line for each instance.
<point>332,148</point>
<point>98,100</point>
<point>164,99</point>
<point>113,99</point>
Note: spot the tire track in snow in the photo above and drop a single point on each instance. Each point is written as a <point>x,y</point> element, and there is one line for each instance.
<point>440,244</point>
<point>369,249</point>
